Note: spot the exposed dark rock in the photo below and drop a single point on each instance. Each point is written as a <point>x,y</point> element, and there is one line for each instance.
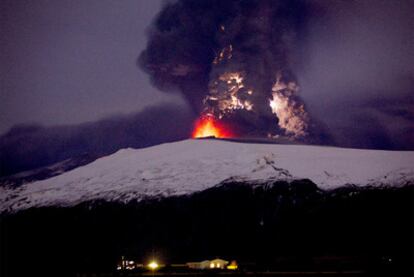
<point>287,225</point>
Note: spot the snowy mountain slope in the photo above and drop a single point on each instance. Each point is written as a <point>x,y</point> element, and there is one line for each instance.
<point>193,165</point>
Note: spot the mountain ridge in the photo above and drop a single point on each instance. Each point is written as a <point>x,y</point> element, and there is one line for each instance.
<point>189,166</point>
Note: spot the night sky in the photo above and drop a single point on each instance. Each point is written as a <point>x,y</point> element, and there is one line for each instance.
<point>66,63</point>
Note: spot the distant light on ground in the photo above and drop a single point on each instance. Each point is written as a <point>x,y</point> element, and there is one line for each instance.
<point>233,265</point>
<point>153,265</point>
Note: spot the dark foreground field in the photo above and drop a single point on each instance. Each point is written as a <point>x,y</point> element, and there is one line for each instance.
<point>278,229</point>
<point>233,274</point>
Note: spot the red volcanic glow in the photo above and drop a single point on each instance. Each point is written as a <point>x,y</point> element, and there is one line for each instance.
<point>207,126</point>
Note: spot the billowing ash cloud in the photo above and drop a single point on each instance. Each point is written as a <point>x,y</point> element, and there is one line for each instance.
<point>233,60</point>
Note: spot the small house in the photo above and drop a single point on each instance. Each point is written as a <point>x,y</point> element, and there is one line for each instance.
<point>209,264</point>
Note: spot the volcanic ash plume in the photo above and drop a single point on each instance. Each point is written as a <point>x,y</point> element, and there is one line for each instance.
<point>232,61</point>
<point>288,108</point>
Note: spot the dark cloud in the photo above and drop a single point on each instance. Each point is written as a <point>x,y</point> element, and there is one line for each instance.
<point>182,46</point>
<point>31,146</point>
<point>377,123</point>
<point>352,60</point>
<point>358,76</point>
<point>193,44</point>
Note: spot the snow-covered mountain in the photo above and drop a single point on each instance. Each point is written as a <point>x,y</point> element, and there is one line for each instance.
<point>193,165</point>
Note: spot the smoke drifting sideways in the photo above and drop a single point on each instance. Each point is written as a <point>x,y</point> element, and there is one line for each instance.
<point>358,75</point>
<point>232,60</point>
<point>31,146</point>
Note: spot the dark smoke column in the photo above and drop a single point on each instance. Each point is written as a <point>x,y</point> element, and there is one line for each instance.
<point>231,60</point>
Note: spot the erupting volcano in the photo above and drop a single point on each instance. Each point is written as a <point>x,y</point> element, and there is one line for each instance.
<point>207,126</point>
<point>234,68</point>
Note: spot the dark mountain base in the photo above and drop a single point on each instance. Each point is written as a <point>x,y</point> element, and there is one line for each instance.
<point>282,227</point>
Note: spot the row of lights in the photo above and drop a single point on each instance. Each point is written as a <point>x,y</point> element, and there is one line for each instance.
<point>153,265</point>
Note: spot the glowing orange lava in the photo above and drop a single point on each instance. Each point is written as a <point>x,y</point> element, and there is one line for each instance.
<point>208,127</point>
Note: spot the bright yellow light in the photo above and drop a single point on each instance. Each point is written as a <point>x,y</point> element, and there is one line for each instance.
<point>153,265</point>
<point>212,265</point>
<point>232,266</point>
